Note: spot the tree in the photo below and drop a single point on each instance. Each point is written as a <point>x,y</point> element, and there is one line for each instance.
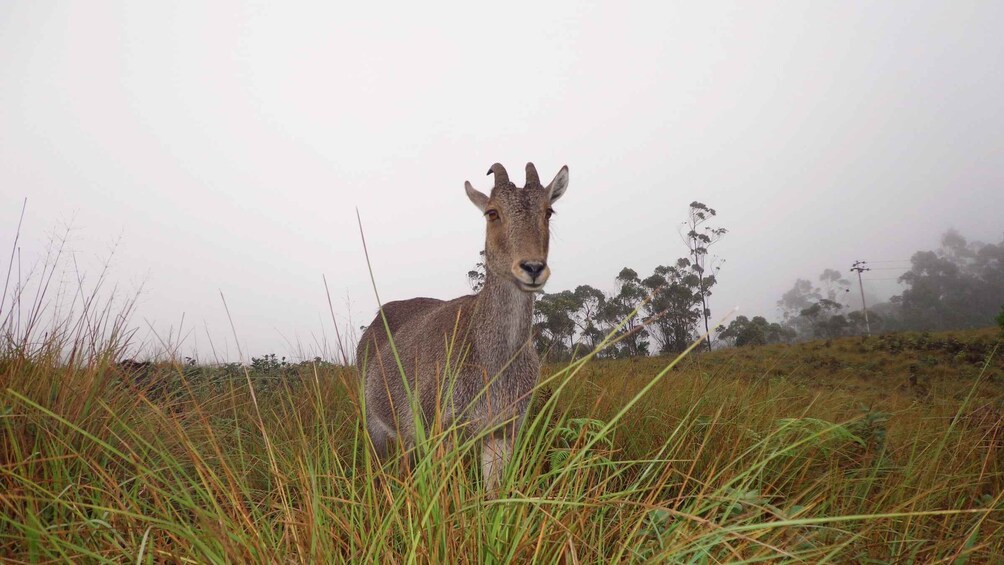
<point>554,325</point>
<point>591,302</point>
<point>623,307</point>
<point>676,306</point>
<point>825,318</point>
<point>856,324</point>
<point>817,311</point>
<point>834,286</point>
<point>793,302</point>
<point>699,238</point>
<point>960,285</point>
<point>743,332</point>
<point>476,276</point>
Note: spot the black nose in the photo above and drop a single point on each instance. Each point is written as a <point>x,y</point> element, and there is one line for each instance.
<point>533,268</point>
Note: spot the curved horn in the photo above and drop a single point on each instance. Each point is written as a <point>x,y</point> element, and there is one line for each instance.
<point>501,177</point>
<point>532,180</point>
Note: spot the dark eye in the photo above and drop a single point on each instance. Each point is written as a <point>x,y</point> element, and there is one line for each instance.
<point>549,213</point>
<point>492,215</point>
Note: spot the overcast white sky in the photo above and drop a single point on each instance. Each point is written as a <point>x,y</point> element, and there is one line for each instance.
<point>226,146</point>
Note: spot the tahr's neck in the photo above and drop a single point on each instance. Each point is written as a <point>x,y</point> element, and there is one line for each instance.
<point>504,317</point>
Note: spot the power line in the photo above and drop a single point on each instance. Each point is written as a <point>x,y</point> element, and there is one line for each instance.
<point>892,261</point>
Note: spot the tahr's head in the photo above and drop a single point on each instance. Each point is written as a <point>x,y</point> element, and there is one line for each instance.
<point>518,225</point>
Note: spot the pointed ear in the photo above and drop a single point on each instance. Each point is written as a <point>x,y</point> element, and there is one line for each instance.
<point>558,185</point>
<point>478,198</point>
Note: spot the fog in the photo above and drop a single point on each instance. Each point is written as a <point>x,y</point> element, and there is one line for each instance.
<point>226,148</point>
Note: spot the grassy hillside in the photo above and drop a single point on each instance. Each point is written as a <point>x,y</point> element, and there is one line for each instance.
<point>865,450</point>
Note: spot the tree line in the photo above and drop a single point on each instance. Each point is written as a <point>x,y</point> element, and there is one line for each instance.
<point>959,285</point>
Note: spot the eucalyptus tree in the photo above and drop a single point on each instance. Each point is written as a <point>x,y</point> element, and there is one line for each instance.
<point>699,238</point>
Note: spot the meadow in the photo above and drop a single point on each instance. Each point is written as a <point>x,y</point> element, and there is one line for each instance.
<point>886,449</point>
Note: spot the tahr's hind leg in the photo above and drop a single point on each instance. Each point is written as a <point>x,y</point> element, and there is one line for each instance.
<point>381,436</point>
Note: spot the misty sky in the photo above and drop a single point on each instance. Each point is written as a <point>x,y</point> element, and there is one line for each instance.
<point>227,146</point>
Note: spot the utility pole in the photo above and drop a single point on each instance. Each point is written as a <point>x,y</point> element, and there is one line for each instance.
<point>860,267</point>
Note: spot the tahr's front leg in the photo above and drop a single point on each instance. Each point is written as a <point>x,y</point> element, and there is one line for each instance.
<point>496,451</point>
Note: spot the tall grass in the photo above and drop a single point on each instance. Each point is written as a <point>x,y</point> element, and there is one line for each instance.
<point>710,458</point>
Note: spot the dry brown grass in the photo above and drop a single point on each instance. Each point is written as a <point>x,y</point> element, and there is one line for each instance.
<point>882,449</point>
